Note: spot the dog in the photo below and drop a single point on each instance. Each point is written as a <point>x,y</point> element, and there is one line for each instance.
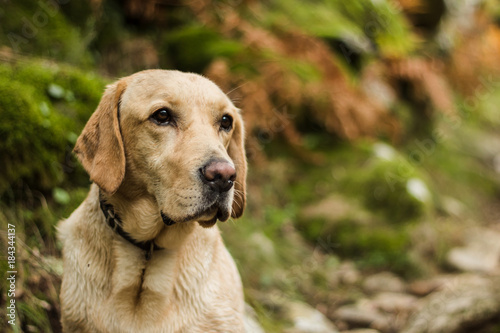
<point>165,152</point>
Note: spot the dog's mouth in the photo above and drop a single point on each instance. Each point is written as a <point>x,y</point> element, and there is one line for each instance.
<point>206,217</point>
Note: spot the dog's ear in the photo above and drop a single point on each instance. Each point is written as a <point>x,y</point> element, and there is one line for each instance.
<point>100,145</point>
<point>236,151</point>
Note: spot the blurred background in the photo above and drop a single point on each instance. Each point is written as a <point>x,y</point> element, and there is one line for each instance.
<point>373,143</point>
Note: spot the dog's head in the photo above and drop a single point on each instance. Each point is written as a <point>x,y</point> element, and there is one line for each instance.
<point>176,136</point>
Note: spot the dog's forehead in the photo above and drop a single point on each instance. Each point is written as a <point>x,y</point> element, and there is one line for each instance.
<point>175,87</point>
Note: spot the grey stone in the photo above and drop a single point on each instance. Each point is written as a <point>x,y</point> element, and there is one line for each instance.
<point>481,252</point>
<point>334,208</point>
<point>395,302</point>
<point>465,300</point>
<point>362,314</point>
<point>384,281</point>
<point>307,319</point>
<point>425,287</point>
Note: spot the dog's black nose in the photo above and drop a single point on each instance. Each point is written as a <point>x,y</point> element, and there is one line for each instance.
<point>219,175</point>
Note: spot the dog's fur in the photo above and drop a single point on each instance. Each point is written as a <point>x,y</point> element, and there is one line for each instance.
<point>143,169</point>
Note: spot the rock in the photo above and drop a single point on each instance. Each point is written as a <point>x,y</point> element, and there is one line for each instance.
<point>361,330</point>
<point>348,273</point>
<point>395,302</point>
<point>384,281</point>
<point>397,306</point>
<point>362,314</point>
<point>464,301</point>
<point>307,319</point>
<point>481,252</point>
<point>386,312</point>
<point>423,288</point>
<point>334,208</point>
<point>250,320</point>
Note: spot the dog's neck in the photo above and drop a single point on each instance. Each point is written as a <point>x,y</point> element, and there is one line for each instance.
<point>114,221</point>
<point>141,219</point>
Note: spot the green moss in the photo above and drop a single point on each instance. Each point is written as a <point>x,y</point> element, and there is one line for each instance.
<point>40,126</point>
<point>41,29</point>
<point>82,90</point>
<point>34,141</point>
<point>382,185</point>
<point>389,185</point>
<point>376,235</point>
<point>373,246</point>
<point>384,188</point>
<point>368,242</point>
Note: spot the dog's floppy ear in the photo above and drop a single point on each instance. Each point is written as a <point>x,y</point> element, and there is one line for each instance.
<point>100,146</point>
<point>236,151</point>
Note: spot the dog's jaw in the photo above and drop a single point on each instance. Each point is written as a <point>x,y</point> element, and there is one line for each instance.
<point>167,220</point>
<point>208,224</point>
<point>206,207</point>
<point>206,218</point>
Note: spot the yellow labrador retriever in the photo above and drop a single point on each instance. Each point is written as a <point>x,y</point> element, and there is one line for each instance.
<point>141,254</point>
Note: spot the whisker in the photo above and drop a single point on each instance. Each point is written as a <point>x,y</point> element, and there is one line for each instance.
<point>236,88</point>
<point>237,204</point>
<point>238,194</point>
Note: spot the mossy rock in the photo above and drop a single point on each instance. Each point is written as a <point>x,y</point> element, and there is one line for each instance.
<point>43,108</point>
<point>372,246</point>
<point>33,142</point>
<point>81,91</point>
<point>387,192</point>
<point>392,188</point>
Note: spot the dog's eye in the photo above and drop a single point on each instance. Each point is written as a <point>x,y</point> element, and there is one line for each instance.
<point>226,123</point>
<point>162,117</point>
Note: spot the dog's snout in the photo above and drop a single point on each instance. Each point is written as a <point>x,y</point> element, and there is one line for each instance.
<point>219,175</point>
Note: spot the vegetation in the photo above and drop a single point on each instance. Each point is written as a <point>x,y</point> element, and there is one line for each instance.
<point>372,125</point>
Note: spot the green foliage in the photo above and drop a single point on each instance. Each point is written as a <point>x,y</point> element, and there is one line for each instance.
<point>322,19</point>
<point>463,143</point>
<point>359,23</point>
<point>305,71</point>
<point>38,277</point>
<point>32,311</point>
<point>194,46</point>
<point>383,24</point>
<point>40,28</point>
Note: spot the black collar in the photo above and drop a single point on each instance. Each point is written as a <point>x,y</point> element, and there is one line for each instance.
<point>115,223</point>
